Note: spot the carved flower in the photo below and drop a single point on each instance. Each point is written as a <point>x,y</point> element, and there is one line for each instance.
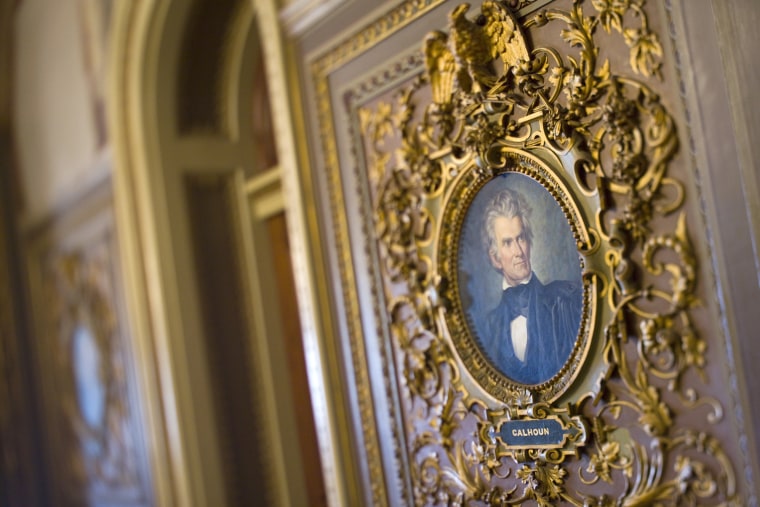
<point>658,337</point>
<point>557,75</point>
<point>558,123</point>
<point>543,483</point>
<point>522,398</point>
<point>685,472</point>
<point>619,114</point>
<point>457,501</point>
<point>638,212</point>
<point>415,359</point>
<point>655,416</point>
<point>554,481</point>
<point>601,463</point>
<point>645,51</point>
<point>648,329</point>
<point>383,120</point>
<point>693,349</point>
<point>576,85</point>
<point>602,501</point>
<point>611,13</point>
<point>528,477</point>
<point>628,164</point>
<point>530,74</point>
<point>483,133</point>
<point>485,458</point>
<point>694,477</point>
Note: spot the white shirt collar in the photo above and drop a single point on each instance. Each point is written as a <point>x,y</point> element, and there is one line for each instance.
<point>505,284</point>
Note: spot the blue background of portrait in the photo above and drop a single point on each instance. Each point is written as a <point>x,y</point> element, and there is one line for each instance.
<point>554,255</point>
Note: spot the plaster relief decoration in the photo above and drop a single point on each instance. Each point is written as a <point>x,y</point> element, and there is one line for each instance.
<point>536,264</point>
<point>85,372</point>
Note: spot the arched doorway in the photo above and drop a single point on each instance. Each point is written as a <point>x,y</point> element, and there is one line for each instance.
<point>203,223</point>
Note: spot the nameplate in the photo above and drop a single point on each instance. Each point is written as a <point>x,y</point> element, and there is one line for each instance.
<point>533,433</point>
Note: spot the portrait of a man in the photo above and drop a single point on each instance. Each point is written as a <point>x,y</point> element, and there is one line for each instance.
<point>529,327</point>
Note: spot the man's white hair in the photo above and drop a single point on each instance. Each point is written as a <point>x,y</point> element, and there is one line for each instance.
<point>506,203</point>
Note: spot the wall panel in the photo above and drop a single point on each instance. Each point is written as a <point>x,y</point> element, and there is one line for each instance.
<point>419,112</point>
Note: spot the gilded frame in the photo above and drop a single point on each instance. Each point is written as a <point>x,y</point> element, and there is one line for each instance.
<point>511,159</point>
<point>540,411</point>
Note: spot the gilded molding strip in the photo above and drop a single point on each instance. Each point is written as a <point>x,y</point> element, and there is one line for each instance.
<point>343,52</point>
<point>388,24</point>
<point>351,307</point>
<point>409,65</point>
<point>371,34</point>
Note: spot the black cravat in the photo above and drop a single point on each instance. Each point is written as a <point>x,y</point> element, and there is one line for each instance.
<point>517,299</point>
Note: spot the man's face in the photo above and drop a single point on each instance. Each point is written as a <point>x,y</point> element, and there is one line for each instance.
<point>511,250</point>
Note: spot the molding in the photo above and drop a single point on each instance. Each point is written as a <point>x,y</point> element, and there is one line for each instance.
<point>133,69</point>
<point>300,15</point>
<point>736,26</point>
<point>329,403</point>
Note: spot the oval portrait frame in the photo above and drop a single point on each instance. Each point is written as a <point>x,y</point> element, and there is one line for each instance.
<point>452,248</point>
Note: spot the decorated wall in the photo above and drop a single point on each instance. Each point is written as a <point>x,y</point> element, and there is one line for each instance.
<point>614,382</point>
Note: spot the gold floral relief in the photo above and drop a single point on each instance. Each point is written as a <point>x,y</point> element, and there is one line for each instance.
<point>614,421</point>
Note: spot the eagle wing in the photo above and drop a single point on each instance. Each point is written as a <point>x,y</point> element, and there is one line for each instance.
<point>441,66</point>
<point>506,40</point>
<point>470,45</point>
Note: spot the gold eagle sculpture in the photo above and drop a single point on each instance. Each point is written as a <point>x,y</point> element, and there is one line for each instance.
<point>465,56</point>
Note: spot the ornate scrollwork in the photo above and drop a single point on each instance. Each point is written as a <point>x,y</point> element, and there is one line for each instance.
<point>485,103</point>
